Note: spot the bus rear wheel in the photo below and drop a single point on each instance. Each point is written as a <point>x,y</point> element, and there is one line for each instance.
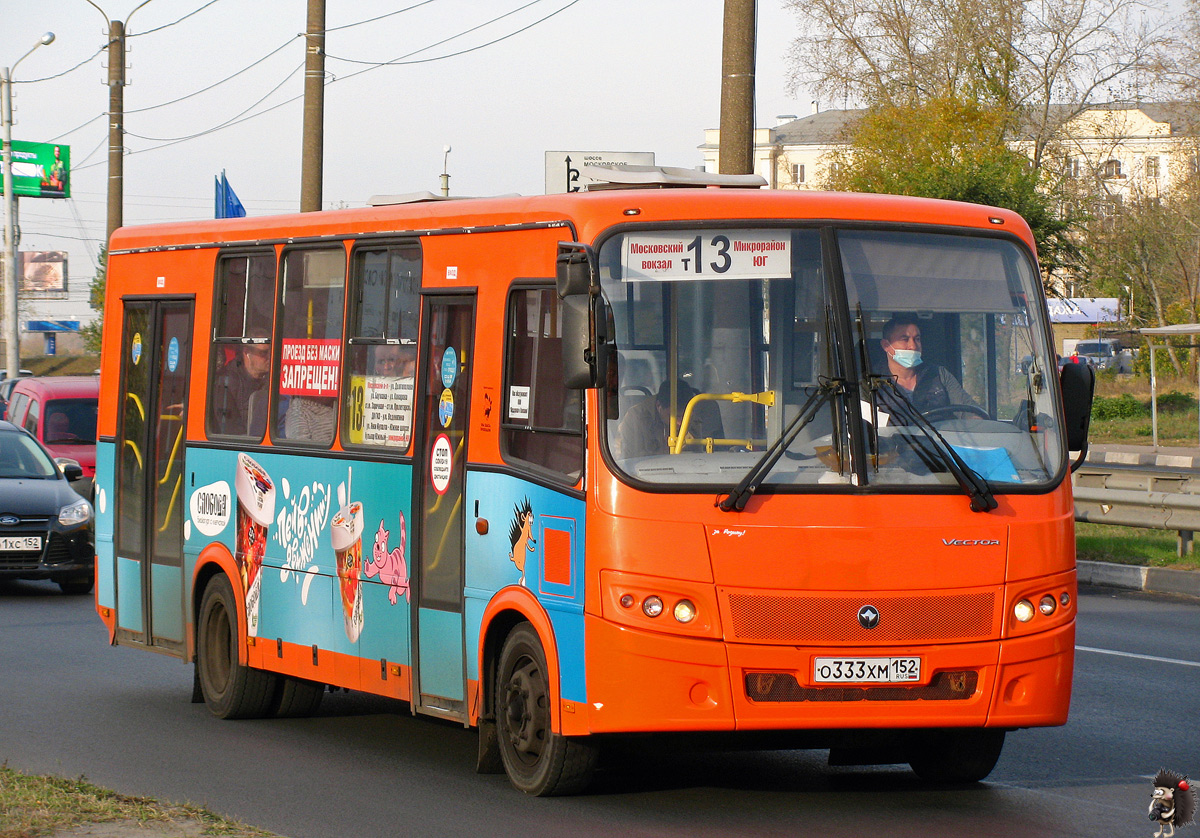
<point>957,756</point>
<point>230,689</point>
<point>537,760</point>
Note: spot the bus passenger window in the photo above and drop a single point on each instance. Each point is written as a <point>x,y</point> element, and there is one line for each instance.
<point>542,421</point>
<point>310,345</point>
<point>381,351</point>
<point>241,351</point>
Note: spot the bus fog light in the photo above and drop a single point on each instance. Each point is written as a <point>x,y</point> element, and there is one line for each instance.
<point>1065,599</point>
<point>1023,611</point>
<point>626,600</point>
<point>685,611</point>
<point>1047,605</point>
<point>652,606</point>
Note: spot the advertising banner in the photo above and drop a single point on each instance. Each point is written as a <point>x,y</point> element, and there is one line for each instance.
<point>40,170</point>
<point>44,272</point>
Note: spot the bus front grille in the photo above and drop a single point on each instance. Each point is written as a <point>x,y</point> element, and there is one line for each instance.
<point>805,619</point>
<point>783,686</point>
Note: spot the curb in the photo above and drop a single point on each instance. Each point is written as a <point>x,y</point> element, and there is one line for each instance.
<point>1158,580</point>
<point>1149,457</point>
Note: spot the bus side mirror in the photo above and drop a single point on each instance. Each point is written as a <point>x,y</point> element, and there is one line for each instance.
<point>578,290</point>
<point>573,274</point>
<point>1078,382</point>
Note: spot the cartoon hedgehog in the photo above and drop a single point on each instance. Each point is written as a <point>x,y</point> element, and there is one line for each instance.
<point>520,533</point>
<point>1173,802</point>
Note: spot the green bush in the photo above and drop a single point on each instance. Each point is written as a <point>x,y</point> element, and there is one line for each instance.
<point>1176,402</point>
<point>1123,406</point>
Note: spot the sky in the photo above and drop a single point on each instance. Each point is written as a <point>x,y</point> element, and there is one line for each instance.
<point>586,75</point>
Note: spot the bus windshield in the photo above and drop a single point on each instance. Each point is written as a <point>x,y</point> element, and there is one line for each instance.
<point>846,356</point>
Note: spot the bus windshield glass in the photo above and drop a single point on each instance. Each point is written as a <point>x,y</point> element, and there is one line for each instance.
<point>835,357</point>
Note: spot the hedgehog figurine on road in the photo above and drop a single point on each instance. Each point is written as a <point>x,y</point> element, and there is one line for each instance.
<point>1172,804</point>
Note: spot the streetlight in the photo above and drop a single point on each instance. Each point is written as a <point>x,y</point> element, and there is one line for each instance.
<point>445,172</point>
<point>12,354</point>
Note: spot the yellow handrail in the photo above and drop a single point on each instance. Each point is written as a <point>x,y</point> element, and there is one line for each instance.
<point>676,443</point>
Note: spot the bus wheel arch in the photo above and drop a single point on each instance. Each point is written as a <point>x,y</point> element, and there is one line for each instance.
<point>538,760</point>
<point>230,688</point>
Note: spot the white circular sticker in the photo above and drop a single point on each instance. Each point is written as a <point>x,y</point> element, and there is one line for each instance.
<point>441,459</point>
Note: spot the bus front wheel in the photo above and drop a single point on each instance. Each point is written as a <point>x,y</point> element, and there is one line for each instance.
<point>957,756</point>
<point>230,689</point>
<point>537,760</point>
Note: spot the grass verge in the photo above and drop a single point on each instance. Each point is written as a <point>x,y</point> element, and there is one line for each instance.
<point>32,806</point>
<point>1129,545</point>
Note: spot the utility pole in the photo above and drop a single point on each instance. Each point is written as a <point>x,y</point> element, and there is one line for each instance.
<point>737,88</point>
<point>116,127</point>
<point>116,117</point>
<point>313,147</point>
<point>12,346</point>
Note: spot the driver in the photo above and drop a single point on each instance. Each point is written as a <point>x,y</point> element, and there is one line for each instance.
<point>927,386</point>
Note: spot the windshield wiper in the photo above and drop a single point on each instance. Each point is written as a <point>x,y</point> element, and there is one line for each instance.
<point>740,494</point>
<point>971,481</point>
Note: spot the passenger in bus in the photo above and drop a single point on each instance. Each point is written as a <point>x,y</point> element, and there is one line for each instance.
<point>926,385</point>
<point>645,427</point>
<point>394,361</point>
<point>241,383</point>
<point>310,419</point>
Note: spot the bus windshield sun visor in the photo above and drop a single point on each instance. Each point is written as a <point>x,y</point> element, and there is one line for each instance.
<point>740,494</point>
<point>971,481</point>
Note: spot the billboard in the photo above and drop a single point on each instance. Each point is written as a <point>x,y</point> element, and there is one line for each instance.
<point>44,273</point>
<point>1084,310</point>
<point>40,170</point>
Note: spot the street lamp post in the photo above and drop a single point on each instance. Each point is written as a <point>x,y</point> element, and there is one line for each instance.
<point>12,353</point>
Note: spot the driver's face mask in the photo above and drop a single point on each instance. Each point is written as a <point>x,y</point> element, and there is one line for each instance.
<point>907,358</point>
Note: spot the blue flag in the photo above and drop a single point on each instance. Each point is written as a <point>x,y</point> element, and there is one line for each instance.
<point>227,203</point>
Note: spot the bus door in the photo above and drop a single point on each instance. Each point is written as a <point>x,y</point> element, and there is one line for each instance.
<point>156,340</point>
<point>439,661</point>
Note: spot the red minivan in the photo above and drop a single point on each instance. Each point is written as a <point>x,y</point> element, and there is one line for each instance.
<point>61,412</point>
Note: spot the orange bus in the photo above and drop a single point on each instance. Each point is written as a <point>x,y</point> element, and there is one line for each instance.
<point>786,468</point>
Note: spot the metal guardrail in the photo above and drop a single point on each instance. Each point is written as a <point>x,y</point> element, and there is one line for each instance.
<point>1140,495</point>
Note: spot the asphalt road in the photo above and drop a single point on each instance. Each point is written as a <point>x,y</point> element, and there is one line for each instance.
<point>71,705</point>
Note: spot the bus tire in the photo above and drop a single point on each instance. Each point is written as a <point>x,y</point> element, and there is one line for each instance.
<point>957,756</point>
<point>537,760</point>
<point>296,698</point>
<point>231,690</point>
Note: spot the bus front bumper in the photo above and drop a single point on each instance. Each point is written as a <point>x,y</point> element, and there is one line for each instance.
<point>643,682</point>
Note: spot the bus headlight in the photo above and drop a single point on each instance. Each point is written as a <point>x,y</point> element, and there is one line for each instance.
<point>1047,605</point>
<point>652,606</point>
<point>685,611</point>
<point>1023,611</point>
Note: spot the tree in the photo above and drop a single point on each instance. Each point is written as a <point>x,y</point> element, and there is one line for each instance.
<point>91,333</point>
<point>1042,61</point>
<point>950,148</point>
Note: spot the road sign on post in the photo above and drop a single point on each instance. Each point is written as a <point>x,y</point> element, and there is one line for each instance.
<point>562,167</point>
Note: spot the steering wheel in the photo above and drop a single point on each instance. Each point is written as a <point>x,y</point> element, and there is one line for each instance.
<point>947,411</point>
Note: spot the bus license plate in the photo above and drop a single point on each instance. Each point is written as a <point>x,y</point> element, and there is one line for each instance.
<point>20,543</point>
<point>867,670</point>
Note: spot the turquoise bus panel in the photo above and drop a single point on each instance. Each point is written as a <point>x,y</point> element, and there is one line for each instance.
<point>106,573</point>
<point>441,654</point>
<point>129,595</point>
<point>535,539</point>
<point>166,602</point>
<point>298,588</point>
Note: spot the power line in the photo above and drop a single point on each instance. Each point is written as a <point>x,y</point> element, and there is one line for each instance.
<point>378,17</point>
<point>230,121</point>
<point>285,44</point>
<point>166,25</point>
<point>400,60</point>
<point>87,60</point>
<point>77,127</point>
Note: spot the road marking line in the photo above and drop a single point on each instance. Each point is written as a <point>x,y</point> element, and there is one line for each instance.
<point>1139,657</point>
